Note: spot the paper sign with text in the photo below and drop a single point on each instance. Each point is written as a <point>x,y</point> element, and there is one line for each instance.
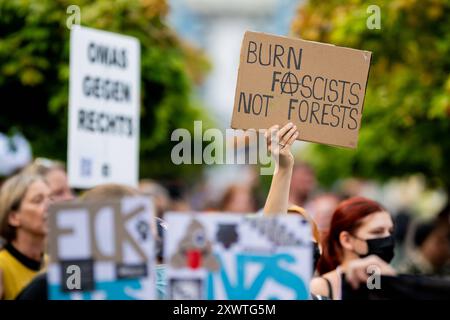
<point>237,257</point>
<point>104,104</point>
<point>102,250</point>
<point>318,87</point>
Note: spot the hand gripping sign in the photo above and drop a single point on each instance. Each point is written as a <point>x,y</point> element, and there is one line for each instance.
<point>318,87</point>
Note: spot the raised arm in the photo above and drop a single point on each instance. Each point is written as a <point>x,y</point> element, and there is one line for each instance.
<point>279,143</point>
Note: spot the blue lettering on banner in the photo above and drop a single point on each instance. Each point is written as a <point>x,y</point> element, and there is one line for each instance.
<point>270,270</point>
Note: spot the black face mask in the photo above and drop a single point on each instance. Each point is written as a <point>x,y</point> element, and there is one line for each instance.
<point>382,247</point>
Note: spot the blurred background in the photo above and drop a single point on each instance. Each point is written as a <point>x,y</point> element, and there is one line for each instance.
<point>189,62</point>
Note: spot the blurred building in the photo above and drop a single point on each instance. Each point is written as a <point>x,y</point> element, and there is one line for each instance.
<point>218,26</point>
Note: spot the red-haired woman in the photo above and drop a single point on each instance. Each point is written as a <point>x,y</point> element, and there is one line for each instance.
<point>359,228</point>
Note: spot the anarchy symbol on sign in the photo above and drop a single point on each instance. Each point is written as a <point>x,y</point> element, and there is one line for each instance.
<point>289,79</point>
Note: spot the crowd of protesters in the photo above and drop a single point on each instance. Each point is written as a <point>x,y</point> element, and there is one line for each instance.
<point>349,233</point>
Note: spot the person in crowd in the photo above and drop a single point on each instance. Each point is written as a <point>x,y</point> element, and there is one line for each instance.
<point>178,196</point>
<point>158,192</point>
<point>24,200</point>
<point>322,208</point>
<point>109,191</point>
<point>432,250</point>
<point>279,143</point>
<point>402,235</point>
<point>359,227</point>
<point>37,289</point>
<point>443,218</point>
<point>303,184</point>
<point>54,173</point>
<point>238,199</point>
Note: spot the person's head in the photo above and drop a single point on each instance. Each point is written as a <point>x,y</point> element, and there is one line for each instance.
<point>24,201</point>
<point>303,182</point>
<point>433,241</point>
<point>239,199</point>
<point>359,227</point>
<point>322,209</point>
<point>109,191</point>
<point>159,194</point>
<point>54,173</point>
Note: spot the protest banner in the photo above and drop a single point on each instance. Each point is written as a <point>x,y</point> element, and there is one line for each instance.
<point>104,104</point>
<point>318,87</point>
<point>102,250</point>
<point>235,256</point>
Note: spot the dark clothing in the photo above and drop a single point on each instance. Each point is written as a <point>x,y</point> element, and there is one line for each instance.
<point>36,290</point>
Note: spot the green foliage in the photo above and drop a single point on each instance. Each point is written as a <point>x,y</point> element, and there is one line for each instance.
<point>406,121</point>
<point>34,74</point>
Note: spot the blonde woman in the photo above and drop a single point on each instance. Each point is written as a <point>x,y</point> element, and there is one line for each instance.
<point>24,201</point>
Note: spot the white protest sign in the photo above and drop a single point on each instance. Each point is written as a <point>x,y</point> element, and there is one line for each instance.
<point>104,104</point>
<point>237,257</point>
<point>102,250</point>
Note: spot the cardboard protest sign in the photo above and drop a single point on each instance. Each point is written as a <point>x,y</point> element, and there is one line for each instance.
<point>318,87</point>
<point>102,250</point>
<point>234,256</point>
<point>104,103</point>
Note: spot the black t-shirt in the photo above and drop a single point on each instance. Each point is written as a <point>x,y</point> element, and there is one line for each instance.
<point>36,290</point>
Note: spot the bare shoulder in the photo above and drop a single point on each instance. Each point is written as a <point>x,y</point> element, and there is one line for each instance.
<point>319,285</point>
